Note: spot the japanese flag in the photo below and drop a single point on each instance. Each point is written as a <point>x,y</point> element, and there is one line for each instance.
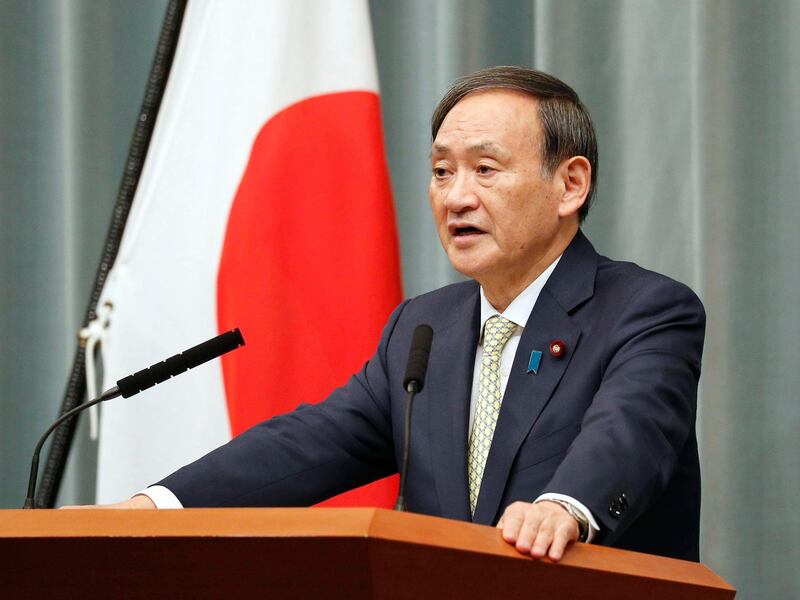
<point>264,204</point>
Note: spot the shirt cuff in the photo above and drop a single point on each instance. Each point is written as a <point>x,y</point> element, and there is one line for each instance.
<point>594,528</point>
<point>161,497</point>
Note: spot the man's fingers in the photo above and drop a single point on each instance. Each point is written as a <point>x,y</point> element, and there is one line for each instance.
<point>511,528</point>
<point>529,531</point>
<point>541,529</point>
<point>564,536</point>
<point>512,520</point>
<point>543,539</point>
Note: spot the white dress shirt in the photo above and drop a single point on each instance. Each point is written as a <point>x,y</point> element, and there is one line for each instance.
<point>518,311</point>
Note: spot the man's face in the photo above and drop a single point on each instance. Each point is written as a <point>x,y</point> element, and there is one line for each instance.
<point>496,214</point>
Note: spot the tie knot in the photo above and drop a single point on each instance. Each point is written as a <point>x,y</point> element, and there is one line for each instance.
<point>497,331</point>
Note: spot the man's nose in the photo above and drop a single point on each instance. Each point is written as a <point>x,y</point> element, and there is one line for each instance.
<point>461,194</point>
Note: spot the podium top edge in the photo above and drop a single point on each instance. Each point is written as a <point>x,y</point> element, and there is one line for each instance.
<point>366,523</point>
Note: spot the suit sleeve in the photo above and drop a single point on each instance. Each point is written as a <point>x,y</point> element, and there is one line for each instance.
<point>643,413</point>
<point>305,456</point>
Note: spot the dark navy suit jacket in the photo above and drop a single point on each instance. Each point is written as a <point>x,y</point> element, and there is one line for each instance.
<point>611,422</point>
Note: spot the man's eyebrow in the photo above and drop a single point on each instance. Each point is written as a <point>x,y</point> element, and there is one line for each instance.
<point>439,149</point>
<point>479,148</point>
<point>486,147</point>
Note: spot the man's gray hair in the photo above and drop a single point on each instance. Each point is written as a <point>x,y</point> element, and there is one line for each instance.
<point>567,125</point>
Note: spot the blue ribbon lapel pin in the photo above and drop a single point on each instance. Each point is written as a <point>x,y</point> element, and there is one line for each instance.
<point>534,362</point>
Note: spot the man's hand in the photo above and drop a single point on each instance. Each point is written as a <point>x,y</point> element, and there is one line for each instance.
<point>139,501</point>
<point>544,528</point>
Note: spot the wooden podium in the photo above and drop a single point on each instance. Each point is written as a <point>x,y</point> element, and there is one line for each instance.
<point>312,553</point>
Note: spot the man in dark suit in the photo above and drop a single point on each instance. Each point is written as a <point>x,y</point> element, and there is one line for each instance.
<point>560,399</point>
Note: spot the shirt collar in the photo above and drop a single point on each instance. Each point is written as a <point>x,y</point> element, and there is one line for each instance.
<point>520,308</point>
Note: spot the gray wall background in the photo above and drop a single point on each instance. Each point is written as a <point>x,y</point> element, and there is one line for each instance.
<point>696,108</point>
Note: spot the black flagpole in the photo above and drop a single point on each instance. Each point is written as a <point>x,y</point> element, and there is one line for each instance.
<point>76,384</point>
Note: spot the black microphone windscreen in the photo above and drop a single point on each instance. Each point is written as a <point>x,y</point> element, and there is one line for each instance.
<point>175,365</point>
<point>213,348</point>
<point>417,364</point>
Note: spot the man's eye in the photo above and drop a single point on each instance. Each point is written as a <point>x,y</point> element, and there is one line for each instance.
<point>485,169</point>
<point>439,172</point>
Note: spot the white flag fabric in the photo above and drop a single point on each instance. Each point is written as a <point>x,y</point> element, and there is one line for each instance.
<point>267,142</point>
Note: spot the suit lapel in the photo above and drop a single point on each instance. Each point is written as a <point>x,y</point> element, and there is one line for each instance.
<point>527,394</point>
<point>525,397</point>
<point>449,384</point>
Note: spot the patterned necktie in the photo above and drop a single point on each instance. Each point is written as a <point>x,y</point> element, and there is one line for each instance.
<point>496,333</point>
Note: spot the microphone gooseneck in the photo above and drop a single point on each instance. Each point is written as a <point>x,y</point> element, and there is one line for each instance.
<point>133,384</point>
<point>413,382</point>
<point>29,499</point>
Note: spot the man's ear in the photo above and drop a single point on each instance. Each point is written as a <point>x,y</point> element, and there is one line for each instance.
<point>575,175</point>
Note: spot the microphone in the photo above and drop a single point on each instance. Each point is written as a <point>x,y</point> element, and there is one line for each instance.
<point>413,382</point>
<point>175,365</point>
<point>140,381</point>
<point>417,364</point>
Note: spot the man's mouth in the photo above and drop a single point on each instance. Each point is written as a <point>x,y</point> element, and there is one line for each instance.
<point>464,231</point>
